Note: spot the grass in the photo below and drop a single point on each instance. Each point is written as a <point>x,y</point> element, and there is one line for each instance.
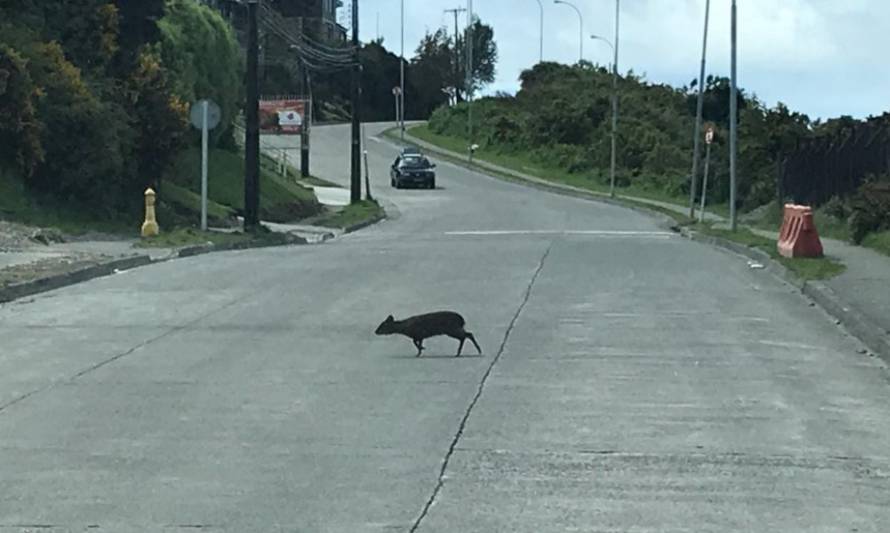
<point>188,203</point>
<point>281,199</point>
<point>181,237</point>
<point>880,242</point>
<point>526,165</point>
<point>829,226</point>
<point>17,205</point>
<point>351,215</point>
<point>804,268</point>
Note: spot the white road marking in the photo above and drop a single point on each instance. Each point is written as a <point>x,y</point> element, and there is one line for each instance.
<point>565,232</point>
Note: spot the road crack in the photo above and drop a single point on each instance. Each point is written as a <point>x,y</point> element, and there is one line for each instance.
<point>463,423</point>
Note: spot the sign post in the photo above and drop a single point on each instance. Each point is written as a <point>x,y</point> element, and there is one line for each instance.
<point>396,92</point>
<point>205,116</point>
<point>709,139</point>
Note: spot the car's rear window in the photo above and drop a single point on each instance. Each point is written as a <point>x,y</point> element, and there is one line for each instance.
<point>415,162</point>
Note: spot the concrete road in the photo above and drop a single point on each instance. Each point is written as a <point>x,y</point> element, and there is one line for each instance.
<point>631,381</point>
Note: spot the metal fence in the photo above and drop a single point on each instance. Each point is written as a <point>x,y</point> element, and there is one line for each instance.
<point>836,165</point>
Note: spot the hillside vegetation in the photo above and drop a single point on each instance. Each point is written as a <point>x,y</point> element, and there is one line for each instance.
<point>560,123</point>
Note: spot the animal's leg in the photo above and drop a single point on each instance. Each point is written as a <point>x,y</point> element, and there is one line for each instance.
<point>419,344</point>
<point>472,338</point>
<point>460,347</point>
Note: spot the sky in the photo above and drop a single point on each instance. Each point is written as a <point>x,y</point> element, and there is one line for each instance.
<point>822,57</point>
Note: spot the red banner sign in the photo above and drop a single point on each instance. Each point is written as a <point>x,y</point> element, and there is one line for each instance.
<point>282,117</point>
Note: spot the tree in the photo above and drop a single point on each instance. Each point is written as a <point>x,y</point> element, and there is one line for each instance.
<point>429,74</point>
<point>200,50</point>
<point>485,58</point>
<point>138,22</point>
<point>20,145</point>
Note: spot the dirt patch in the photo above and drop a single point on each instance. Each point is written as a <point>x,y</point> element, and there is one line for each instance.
<point>48,267</point>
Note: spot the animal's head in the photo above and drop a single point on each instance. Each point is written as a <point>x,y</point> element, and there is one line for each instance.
<point>387,327</point>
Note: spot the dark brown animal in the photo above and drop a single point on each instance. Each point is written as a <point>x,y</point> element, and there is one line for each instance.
<point>421,327</point>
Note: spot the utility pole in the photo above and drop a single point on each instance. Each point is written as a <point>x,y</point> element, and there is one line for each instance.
<point>469,89</point>
<point>456,11</point>
<point>541,33</point>
<point>356,175</point>
<point>304,131</point>
<point>401,117</point>
<point>615,104</point>
<point>733,124</point>
<point>696,153</point>
<point>252,131</point>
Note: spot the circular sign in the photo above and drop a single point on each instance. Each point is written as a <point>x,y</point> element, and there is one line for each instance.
<point>396,91</point>
<point>709,136</point>
<point>196,117</point>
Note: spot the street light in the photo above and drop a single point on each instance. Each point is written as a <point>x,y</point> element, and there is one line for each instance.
<point>607,41</point>
<point>614,96</point>
<point>580,21</point>
<point>541,33</point>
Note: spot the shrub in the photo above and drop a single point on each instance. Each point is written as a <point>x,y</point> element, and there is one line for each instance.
<point>870,210</point>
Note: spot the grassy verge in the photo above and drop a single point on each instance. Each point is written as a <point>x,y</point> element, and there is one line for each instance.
<point>805,269</point>
<point>351,215</point>
<point>183,237</point>
<point>880,242</point>
<point>18,206</point>
<point>180,237</point>
<point>281,199</point>
<point>829,226</point>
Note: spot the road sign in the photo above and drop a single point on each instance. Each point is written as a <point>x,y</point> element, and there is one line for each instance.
<point>396,91</point>
<point>214,115</point>
<point>709,135</point>
<point>205,116</point>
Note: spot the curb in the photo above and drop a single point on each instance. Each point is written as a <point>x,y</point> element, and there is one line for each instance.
<point>202,249</point>
<point>857,324</point>
<point>362,225</point>
<point>30,288</point>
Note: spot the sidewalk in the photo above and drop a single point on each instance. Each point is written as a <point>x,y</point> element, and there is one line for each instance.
<point>859,297</point>
<point>28,266</point>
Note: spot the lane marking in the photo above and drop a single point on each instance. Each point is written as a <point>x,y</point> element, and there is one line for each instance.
<point>565,232</point>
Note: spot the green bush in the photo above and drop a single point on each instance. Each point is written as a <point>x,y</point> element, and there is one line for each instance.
<point>870,209</point>
<point>87,142</point>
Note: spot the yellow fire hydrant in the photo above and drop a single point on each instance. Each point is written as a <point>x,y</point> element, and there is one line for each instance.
<point>150,226</point>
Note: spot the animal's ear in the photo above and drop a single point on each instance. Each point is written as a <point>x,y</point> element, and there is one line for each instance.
<point>390,319</point>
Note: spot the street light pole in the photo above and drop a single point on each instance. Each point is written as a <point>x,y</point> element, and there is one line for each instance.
<point>401,117</point>
<point>614,107</point>
<point>698,115</point>
<point>541,33</point>
<point>469,91</point>
<point>733,124</point>
<point>615,102</point>
<point>580,21</point>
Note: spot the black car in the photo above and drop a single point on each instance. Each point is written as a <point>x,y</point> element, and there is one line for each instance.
<point>412,169</point>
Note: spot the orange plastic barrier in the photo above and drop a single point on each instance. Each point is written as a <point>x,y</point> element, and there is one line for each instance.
<point>798,236</point>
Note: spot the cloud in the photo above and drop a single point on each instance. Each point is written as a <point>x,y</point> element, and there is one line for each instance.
<point>822,57</point>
